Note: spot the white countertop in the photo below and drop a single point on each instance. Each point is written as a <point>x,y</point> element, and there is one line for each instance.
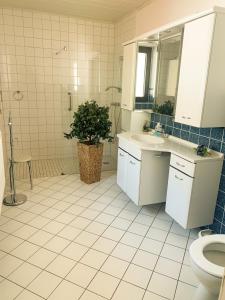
<point>172,145</point>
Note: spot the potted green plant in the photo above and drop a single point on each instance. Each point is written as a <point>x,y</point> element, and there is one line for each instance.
<point>90,126</point>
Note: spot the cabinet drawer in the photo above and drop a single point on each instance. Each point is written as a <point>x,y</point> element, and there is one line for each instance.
<point>183,165</point>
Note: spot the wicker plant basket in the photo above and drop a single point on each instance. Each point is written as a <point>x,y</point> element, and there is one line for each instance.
<point>90,162</point>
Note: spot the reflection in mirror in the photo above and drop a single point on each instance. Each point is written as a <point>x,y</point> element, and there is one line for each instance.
<point>146,75</point>
<point>168,73</point>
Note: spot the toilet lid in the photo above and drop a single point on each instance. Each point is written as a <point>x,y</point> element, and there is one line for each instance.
<point>197,255</point>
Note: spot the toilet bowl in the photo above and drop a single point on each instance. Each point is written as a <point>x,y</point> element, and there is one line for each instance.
<point>208,263</point>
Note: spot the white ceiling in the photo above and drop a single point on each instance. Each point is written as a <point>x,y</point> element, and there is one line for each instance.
<point>107,10</point>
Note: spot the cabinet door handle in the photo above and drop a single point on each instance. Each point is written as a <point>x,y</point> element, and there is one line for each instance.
<point>183,117</point>
<point>178,177</point>
<point>180,165</point>
<point>131,162</point>
<point>121,154</point>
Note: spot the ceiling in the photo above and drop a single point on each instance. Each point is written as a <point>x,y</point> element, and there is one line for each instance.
<point>104,10</point>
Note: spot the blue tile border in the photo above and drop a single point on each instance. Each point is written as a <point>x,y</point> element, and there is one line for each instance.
<point>213,138</point>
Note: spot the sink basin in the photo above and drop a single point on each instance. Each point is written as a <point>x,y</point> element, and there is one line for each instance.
<point>148,139</point>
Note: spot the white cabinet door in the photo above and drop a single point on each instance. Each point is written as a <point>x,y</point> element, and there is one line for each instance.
<point>122,169</point>
<point>128,78</point>
<point>179,196</point>
<point>196,50</point>
<point>133,179</point>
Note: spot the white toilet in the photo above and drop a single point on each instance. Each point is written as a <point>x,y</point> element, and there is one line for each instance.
<point>208,263</point>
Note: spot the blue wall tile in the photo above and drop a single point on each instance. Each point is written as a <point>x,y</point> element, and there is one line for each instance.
<point>213,138</point>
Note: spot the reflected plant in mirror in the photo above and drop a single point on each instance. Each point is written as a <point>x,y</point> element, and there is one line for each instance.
<point>167,108</point>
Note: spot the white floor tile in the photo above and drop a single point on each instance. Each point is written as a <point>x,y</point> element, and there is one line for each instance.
<point>53,227</point>
<point>66,290</point>
<point>81,275</point>
<point>42,258</point>
<point>90,214</point>
<point>44,284</point>
<point>112,210</point>
<point>173,252</point>
<point>8,264</point>
<point>188,276</point>
<point>39,222</point>
<point>137,275</point>
<point>11,226</point>
<point>113,233</point>
<point>184,291</point>
<point>86,238</point>
<point>124,252</point>
<point>40,238</point>
<point>96,228</point>
<point>104,245</point>
<point>27,295</point>
<point>9,290</point>
<point>105,219</point>
<point>144,219</point>
<point>121,223</point>
<point>176,240</point>
<point>25,250</point>
<point>10,243</point>
<point>131,239</point>
<point>69,232</point>
<point>115,266</point>
<point>152,246</point>
<point>91,296</point>
<point>65,218</point>
<point>145,259</point>
<point>24,274</point>
<point>104,285</point>
<point>75,251</point>
<point>80,223</point>
<point>151,296</point>
<point>162,285</point>
<point>139,229</point>
<point>128,291</point>
<point>157,234</point>
<point>57,244</point>
<point>94,259</point>
<point>168,267</point>
<point>161,224</point>
<point>61,266</point>
<point>25,232</point>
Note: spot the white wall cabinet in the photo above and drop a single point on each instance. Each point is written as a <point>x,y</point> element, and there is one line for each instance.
<point>129,76</point>
<point>189,190</point>
<point>201,88</point>
<point>144,177</point>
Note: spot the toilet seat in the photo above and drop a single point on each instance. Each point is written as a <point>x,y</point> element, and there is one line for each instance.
<point>197,255</point>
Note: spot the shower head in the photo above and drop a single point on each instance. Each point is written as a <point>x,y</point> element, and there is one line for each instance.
<point>60,50</point>
<point>114,87</point>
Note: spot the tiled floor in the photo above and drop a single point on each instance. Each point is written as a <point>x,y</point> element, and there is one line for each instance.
<point>89,242</point>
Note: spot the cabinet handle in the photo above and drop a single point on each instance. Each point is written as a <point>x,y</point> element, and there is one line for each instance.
<point>178,177</point>
<point>131,162</point>
<point>121,154</point>
<point>180,165</point>
<point>183,117</point>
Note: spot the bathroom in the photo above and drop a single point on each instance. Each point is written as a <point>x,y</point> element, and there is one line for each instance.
<point>125,236</point>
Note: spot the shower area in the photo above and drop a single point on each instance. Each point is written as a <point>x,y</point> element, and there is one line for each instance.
<point>48,66</point>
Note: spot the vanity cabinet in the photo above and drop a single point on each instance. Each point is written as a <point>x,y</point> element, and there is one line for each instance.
<point>192,191</point>
<point>201,88</point>
<point>142,175</point>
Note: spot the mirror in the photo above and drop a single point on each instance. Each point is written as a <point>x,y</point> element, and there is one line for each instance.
<point>146,74</point>
<point>168,73</point>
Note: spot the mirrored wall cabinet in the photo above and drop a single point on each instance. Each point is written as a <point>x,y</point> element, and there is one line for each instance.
<point>180,71</point>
